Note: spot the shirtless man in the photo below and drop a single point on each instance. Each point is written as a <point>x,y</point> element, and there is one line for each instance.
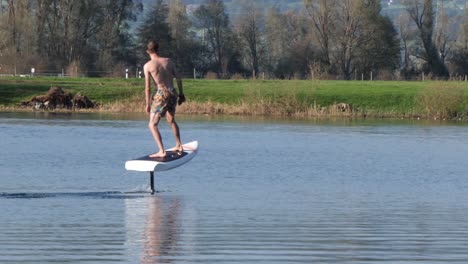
<point>164,102</point>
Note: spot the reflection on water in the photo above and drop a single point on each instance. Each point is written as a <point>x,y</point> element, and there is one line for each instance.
<point>288,192</point>
<point>153,227</point>
<point>160,229</point>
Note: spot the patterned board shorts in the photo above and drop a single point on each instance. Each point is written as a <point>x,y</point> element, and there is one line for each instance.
<point>164,101</point>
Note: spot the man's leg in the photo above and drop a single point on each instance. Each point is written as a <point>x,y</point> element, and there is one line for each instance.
<point>175,129</point>
<point>153,126</point>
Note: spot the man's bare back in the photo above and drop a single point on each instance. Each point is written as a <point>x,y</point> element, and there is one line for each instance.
<point>162,71</point>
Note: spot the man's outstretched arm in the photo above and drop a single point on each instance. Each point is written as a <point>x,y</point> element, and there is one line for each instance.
<point>179,84</point>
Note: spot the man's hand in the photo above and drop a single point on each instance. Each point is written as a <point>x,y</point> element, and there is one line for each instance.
<point>148,109</point>
<point>181,98</point>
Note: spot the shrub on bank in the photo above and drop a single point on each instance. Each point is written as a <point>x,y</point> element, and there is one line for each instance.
<point>442,100</point>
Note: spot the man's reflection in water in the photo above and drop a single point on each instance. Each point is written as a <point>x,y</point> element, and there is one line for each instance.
<point>161,229</point>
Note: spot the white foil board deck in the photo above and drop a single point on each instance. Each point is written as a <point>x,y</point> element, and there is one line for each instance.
<point>171,161</point>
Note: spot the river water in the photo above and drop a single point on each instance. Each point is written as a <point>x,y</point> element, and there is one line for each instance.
<point>259,191</point>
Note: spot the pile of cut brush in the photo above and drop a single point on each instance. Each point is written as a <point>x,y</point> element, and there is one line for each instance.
<point>57,98</point>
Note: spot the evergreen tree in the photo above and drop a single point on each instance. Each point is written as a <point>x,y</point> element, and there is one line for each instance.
<point>380,47</point>
<point>155,27</point>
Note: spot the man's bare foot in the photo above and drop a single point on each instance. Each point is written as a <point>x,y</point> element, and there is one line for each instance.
<point>178,149</point>
<point>160,154</point>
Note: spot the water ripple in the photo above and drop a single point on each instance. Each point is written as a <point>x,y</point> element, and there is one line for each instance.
<point>96,195</point>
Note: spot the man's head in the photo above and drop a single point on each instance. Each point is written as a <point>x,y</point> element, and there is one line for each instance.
<point>152,47</point>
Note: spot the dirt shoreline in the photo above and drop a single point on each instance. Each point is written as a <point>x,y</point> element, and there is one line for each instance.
<point>245,110</point>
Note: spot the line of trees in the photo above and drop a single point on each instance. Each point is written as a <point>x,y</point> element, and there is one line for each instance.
<point>328,39</point>
<point>76,36</point>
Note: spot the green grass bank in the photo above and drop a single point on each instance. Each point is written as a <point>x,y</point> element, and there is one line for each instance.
<point>300,98</point>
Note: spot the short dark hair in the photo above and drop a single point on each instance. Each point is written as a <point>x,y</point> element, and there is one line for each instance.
<point>152,46</point>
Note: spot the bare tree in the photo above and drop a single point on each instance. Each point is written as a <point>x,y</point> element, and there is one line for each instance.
<point>348,35</point>
<point>462,36</point>
<point>276,36</point>
<point>322,16</point>
<point>445,35</point>
<point>405,32</point>
<point>289,44</point>
<point>3,6</point>
<point>17,35</point>
<point>248,25</point>
<point>114,37</point>
<point>465,29</point>
<point>213,19</point>
<point>179,24</point>
<point>64,29</point>
<point>87,34</point>
<point>423,15</point>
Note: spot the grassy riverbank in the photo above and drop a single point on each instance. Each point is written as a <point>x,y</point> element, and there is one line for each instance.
<point>272,97</point>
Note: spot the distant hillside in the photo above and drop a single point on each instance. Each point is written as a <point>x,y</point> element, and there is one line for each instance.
<point>392,7</point>
<point>231,5</point>
<point>232,9</point>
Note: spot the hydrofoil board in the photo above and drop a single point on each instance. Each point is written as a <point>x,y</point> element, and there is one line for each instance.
<point>172,160</point>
